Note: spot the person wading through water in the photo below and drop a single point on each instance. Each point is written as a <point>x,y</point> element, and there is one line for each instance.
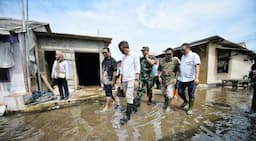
<point>146,78</point>
<point>109,67</point>
<point>130,70</point>
<point>168,73</point>
<point>189,76</point>
<point>60,74</point>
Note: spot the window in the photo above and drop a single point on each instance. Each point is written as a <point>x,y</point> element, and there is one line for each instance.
<point>4,75</point>
<point>223,60</point>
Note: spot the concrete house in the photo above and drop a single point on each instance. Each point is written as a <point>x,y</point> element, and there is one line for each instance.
<point>83,54</point>
<point>25,65</point>
<point>221,59</point>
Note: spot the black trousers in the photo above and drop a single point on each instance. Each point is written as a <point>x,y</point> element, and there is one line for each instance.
<point>63,87</point>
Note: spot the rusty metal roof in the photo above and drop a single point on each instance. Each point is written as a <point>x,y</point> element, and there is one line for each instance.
<point>74,36</point>
<point>8,25</point>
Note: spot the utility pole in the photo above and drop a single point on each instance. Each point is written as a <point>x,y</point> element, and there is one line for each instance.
<point>253,108</point>
<point>25,50</point>
<point>252,77</point>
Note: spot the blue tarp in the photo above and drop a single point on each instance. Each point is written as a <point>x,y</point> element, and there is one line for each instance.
<point>39,94</point>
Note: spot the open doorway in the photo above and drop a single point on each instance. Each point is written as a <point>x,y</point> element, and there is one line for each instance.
<point>49,58</point>
<point>88,68</point>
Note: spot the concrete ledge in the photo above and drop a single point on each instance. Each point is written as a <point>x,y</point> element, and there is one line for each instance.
<point>58,104</point>
<point>14,102</point>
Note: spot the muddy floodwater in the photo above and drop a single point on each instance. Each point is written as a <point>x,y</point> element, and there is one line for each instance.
<point>220,114</point>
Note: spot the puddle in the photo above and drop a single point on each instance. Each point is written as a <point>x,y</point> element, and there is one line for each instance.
<point>218,115</point>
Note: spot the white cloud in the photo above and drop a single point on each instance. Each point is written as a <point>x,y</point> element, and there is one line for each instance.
<point>158,24</point>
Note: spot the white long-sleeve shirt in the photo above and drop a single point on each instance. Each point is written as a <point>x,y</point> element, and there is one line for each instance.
<point>63,69</point>
<point>129,67</point>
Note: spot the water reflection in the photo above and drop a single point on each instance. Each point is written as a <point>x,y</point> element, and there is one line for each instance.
<point>220,114</point>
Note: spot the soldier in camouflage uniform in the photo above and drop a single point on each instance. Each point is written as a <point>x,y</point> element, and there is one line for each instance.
<point>146,78</point>
<point>168,72</point>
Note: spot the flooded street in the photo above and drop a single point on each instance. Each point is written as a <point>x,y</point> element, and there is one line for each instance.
<point>220,114</point>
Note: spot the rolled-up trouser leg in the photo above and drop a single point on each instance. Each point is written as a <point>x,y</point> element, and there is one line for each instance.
<point>170,90</point>
<point>129,90</point>
<point>164,93</point>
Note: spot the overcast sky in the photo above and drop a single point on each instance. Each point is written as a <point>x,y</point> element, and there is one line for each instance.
<point>155,23</point>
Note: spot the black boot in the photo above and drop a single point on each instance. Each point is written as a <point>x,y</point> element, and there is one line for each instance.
<point>149,96</point>
<point>150,101</point>
<point>136,102</point>
<point>127,115</point>
<point>165,103</point>
<point>134,107</point>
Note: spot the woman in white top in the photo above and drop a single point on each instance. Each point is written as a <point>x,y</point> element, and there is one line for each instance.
<point>60,73</point>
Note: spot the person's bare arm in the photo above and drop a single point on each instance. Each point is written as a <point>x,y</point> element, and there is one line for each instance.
<point>113,79</point>
<point>197,70</point>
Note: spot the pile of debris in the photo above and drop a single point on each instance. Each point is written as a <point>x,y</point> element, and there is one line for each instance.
<point>42,96</point>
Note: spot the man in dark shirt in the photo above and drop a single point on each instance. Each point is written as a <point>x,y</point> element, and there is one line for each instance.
<point>109,68</point>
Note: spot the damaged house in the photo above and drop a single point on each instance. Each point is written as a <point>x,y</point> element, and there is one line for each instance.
<point>26,64</point>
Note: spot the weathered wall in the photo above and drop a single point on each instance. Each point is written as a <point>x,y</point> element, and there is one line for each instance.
<point>69,46</point>
<point>202,52</point>
<point>16,84</point>
<point>237,66</point>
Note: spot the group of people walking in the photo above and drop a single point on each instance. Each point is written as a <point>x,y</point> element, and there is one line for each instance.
<point>136,77</point>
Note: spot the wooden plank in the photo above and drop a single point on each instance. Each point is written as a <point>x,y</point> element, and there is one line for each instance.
<point>46,82</point>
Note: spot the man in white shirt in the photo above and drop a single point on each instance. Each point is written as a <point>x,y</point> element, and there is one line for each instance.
<point>189,76</point>
<point>130,69</point>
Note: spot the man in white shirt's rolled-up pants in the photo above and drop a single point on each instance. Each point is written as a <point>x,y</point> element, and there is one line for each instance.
<point>130,69</point>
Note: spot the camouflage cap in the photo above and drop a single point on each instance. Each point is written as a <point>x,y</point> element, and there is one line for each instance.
<point>145,48</point>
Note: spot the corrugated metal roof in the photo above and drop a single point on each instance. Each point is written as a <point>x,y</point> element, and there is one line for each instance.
<point>74,36</point>
<point>225,43</point>
<point>15,25</point>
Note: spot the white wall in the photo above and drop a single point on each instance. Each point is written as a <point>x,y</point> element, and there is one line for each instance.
<point>237,66</point>
<point>16,84</point>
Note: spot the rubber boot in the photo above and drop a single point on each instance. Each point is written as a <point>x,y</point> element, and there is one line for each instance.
<point>169,102</point>
<point>165,103</point>
<point>127,115</point>
<point>191,105</point>
<point>137,101</point>
<point>134,107</point>
<point>149,97</point>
